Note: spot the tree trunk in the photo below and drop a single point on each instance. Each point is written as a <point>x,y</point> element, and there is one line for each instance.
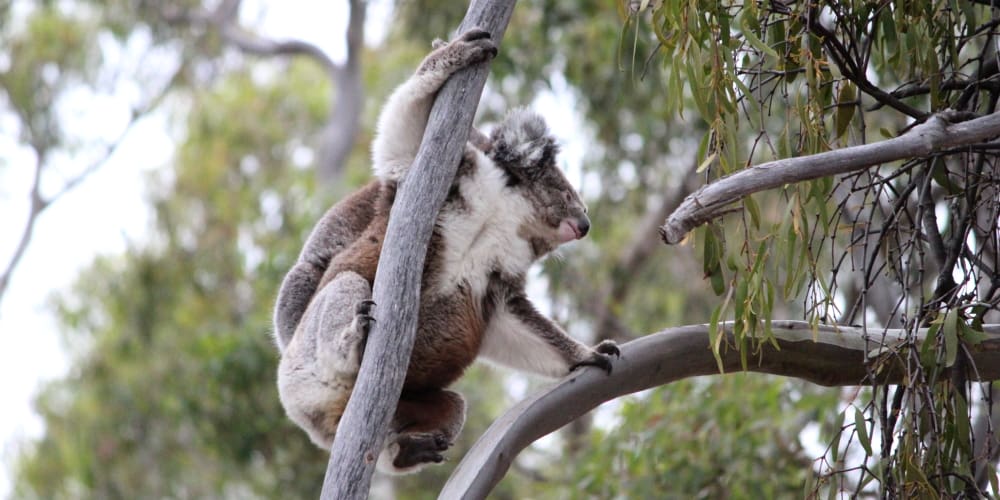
<point>362,429</point>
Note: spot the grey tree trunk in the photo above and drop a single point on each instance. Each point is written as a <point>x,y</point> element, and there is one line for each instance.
<point>362,429</point>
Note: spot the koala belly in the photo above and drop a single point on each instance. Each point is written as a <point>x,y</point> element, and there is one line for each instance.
<point>449,335</point>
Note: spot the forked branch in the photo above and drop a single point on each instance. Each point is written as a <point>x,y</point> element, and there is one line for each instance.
<point>934,135</point>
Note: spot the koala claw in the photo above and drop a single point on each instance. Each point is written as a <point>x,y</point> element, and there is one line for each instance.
<point>475,34</point>
<point>364,307</point>
<point>363,322</point>
<point>481,43</point>
<point>608,347</point>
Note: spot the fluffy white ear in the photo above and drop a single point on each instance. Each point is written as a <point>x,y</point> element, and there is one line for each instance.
<point>522,140</point>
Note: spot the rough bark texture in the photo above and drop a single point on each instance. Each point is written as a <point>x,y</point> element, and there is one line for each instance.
<point>397,284</point>
<point>829,355</point>
<point>713,200</point>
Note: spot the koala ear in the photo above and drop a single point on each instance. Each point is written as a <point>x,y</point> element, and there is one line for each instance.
<point>522,142</point>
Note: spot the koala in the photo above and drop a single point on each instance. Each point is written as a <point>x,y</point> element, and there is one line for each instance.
<point>508,206</point>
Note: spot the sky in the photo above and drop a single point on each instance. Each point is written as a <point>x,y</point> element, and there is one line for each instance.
<point>100,217</point>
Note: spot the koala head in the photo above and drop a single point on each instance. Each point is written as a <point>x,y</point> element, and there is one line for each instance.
<point>523,148</point>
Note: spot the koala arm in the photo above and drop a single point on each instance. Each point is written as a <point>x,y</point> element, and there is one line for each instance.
<point>401,124</point>
<point>520,337</point>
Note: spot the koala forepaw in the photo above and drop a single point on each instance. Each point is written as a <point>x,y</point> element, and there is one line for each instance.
<point>608,347</point>
<point>472,47</point>
<point>477,46</point>
<point>600,357</point>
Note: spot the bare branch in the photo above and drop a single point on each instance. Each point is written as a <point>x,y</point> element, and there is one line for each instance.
<point>826,355</point>
<point>37,206</point>
<point>223,20</point>
<point>397,282</point>
<point>336,139</point>
<point>925,139</point>
<point>39,203</point>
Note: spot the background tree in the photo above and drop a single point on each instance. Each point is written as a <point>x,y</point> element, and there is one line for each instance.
<point>172,389</point>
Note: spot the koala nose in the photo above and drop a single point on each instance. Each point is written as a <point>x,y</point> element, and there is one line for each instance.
<point>583,225</point>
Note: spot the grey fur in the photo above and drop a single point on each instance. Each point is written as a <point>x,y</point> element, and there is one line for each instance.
<point>508,206</point>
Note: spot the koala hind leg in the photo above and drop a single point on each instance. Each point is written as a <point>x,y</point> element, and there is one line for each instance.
<point>318,369</point>
<point>425,425</point>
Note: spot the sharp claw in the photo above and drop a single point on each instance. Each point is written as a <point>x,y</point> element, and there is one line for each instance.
<point>609,347</point>
<point>364,307</point>
<point>475,34</point>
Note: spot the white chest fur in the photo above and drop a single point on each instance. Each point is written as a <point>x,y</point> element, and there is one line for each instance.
<point>482,235</point>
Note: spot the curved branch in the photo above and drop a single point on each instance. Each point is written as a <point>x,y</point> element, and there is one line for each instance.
<point>826,355</point>
<point>223,19</point>
<point>925,139</point>
<point>362,428</point>
<point>253,44</point>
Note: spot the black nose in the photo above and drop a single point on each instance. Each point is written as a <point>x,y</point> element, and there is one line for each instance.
<point>583,224</point>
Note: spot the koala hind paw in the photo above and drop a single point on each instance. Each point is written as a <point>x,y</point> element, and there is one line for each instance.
<point>420,448</point>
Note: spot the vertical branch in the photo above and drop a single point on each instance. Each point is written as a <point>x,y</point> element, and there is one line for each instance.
<point>362,429</point>
<point>341,130</point>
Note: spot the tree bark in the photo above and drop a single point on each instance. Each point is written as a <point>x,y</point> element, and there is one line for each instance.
<point>827,355</point>
<point>362,429</point>
<point>714,199</point>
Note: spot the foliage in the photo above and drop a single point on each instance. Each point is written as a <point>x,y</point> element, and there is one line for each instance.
<point>174,382</point>
<point>910,244</point>
<point>719,447</point>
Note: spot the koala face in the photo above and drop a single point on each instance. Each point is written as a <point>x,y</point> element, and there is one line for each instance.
<point>523,148</point>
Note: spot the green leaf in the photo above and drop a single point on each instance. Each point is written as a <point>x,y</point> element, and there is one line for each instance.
<point>859,426</point>
<point>939,172</point>
<point>845,108</point>
<point>707,162</point>
<point>950,331</point>
<point>972,335</point>
<point>994,482</point>
<point>746,27</point>
<point>754,211</point>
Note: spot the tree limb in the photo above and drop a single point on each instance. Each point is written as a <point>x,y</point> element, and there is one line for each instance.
<point>929,137</point>
<point>40,203</point>
<point>827,355</point>
<point>362,429</point>
<point>337,137</point>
